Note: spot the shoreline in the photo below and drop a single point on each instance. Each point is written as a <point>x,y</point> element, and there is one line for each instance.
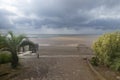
<point>68,41</point>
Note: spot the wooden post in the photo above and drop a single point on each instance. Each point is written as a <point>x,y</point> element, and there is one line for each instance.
<point>23,49</point>
<point>37,49</point>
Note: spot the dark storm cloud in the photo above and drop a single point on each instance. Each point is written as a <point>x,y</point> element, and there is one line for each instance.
<point>105,24</point>
<point>23,21</point>
<point>71,14</point>
<point>76,13</point>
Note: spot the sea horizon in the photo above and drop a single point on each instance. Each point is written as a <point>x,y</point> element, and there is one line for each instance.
<point>58,35</point>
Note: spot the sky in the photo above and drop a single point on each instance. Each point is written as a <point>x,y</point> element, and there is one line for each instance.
<point>59,16</point>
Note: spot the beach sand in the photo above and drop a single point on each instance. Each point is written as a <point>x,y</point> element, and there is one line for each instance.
<point>60,59</point>
<point>69,41</point>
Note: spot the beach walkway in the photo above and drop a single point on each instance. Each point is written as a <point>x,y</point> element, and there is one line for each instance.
<point>57,63</point>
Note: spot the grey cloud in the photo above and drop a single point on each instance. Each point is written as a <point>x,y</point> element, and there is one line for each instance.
<point>22,21</point>
<point>4,20</point>
<point>70,14</point>
<point>69,17</point>
<point>105,24</point>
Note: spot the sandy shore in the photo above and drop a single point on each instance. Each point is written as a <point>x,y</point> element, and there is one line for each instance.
<point>58,61</point>
<point>66,41</point>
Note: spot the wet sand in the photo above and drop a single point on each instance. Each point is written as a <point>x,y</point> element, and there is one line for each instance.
<point>59,61</point>
<point>68,41</point>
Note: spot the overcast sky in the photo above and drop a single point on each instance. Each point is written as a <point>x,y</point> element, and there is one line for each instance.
<point>60,16</point>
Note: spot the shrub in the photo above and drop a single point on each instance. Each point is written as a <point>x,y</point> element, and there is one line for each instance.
<point>5,57</point>
<point>107,49</point>
<point>94,61</point>
<point>116,64</point>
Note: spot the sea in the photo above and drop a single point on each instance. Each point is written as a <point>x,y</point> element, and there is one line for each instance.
<point>59,35</point>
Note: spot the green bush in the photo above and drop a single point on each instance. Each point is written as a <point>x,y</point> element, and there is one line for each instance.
<point>116,64</point>
<point>107,49</point>
<point>5,57</point>
<point>94,61</point>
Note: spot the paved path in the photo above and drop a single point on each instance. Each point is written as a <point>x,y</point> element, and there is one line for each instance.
<point>56,67</point>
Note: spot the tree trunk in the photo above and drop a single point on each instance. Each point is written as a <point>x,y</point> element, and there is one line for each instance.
<point>30,48</point>
<point>19,49</point>
<point>14,61</point>
<point>23,49</point>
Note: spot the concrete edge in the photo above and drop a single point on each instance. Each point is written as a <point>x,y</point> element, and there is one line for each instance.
<point>100,77</point>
